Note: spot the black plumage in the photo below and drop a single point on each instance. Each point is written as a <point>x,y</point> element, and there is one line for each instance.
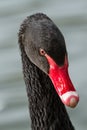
<point>47,112</point>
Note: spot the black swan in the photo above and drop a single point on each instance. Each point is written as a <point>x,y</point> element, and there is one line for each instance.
<point>45,69</point>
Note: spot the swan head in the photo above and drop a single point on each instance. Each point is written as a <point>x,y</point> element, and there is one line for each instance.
<point>45,46</point>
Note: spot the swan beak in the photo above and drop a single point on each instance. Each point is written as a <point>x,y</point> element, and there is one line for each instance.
<point>62,83</point>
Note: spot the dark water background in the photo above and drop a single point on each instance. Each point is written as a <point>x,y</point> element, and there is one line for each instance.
<point>71,17</point>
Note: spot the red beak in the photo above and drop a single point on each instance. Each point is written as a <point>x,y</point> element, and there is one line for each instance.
<point>62,83</point>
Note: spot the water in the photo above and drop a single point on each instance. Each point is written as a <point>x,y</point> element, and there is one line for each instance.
<point>71,18</point>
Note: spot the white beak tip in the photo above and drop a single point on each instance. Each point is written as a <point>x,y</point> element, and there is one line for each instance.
<point>70,99</point>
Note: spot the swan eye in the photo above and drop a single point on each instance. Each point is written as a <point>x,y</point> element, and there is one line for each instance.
<point>42,52</point>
